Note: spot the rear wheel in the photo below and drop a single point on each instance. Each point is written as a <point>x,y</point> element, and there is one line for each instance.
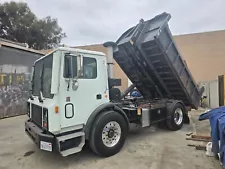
<point>176,120</point>
<point>108,133</point>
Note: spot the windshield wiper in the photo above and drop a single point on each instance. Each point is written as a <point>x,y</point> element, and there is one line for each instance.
<point>40,98</point>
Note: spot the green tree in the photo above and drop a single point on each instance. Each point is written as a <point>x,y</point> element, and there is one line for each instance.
<point>18,23</point>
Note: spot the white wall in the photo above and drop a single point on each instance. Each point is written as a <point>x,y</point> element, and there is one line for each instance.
<point>212,93</point>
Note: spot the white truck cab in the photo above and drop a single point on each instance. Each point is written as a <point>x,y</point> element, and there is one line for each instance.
<point>68,84</point>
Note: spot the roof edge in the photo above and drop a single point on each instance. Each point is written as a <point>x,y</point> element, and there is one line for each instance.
<point>199,33</point>
<point>15,46</point>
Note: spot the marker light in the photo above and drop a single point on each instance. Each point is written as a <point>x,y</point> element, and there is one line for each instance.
<point>56,109</point>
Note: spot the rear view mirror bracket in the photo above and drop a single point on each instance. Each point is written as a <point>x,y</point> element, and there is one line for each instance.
<point>80,66</point>
<point>69,72</point>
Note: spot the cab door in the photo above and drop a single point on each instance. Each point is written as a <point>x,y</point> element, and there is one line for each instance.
<point>82,93</point>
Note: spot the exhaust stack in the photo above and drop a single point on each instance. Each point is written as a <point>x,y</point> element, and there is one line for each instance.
<point>110,45</point>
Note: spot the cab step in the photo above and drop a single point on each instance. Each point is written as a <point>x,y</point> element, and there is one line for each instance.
<point>71,143</point>
<point>70,136</point>
<point>70,151</point>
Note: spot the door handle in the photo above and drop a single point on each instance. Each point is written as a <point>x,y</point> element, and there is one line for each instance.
<point>98,96</point>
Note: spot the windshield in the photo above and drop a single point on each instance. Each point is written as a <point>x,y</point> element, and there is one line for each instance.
<point>42,77</point>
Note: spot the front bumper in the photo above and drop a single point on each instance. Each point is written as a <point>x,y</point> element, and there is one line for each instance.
<point>37,135</point>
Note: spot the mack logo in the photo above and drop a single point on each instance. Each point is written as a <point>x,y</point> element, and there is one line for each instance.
<point>68,99</point>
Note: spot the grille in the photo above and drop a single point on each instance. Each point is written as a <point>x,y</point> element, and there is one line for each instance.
<point>36,114</point>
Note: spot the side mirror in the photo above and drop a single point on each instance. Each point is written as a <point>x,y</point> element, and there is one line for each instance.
<point>73,69</point>
<point>73,66</point>
<point>80,71</point>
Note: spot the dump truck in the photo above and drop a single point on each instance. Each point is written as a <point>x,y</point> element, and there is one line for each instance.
<point>76,101</point>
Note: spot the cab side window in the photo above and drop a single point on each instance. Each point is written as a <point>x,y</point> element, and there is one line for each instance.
<point>90,68</point>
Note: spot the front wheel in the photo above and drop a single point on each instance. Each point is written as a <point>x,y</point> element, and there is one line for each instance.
<point>108,133</point>
<point>176,120</point>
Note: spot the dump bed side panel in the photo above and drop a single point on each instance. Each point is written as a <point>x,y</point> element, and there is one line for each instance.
<point>150,59</point>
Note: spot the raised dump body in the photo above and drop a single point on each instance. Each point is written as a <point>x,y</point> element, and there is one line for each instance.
<point>149,57</point>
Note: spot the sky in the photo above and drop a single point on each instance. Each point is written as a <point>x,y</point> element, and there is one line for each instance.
<point>88,22</point>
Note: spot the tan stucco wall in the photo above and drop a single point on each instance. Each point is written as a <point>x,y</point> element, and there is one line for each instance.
<point>204,54</point>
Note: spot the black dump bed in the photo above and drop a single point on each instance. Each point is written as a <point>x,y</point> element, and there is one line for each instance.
<point>149,57</point>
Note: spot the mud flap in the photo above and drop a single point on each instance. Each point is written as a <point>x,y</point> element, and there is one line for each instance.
<point>186,118</point>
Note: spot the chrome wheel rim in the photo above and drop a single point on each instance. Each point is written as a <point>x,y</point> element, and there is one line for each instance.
<point>178,116</point>
<point>111,134</point>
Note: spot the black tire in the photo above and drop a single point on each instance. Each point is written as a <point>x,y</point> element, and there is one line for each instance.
<point>171,124</point>
<point>96,142</point>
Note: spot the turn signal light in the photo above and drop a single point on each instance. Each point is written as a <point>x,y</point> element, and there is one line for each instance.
<point>56,109</point>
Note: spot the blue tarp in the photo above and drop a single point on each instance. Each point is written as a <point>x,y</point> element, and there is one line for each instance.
<point>222,139</point>
<point>135,94</point>
<point>217,122</point>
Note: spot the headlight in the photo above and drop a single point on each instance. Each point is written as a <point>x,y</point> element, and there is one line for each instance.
<point>45,118</point>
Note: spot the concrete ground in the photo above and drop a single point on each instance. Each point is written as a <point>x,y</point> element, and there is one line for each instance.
<point>145,148</point>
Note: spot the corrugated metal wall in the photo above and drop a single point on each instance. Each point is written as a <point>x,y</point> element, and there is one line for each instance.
<point>15,73</point>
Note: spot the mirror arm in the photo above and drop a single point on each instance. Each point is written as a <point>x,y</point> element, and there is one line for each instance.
<point>70,71</point>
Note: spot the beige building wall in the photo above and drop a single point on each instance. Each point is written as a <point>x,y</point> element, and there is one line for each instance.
<point>204,54</point>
